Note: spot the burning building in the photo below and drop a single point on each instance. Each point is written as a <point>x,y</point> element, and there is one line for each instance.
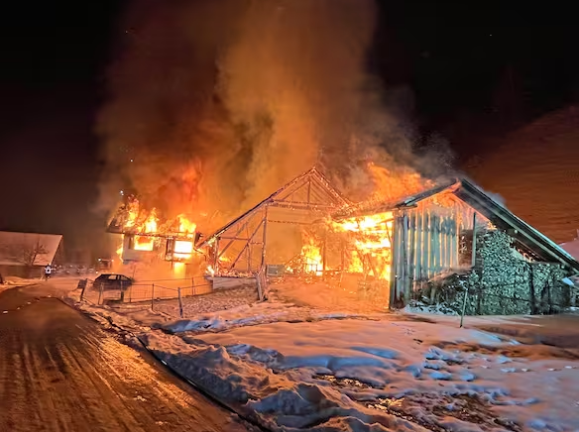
<point>283,233</point>
<point>146,238</point>
<point>454,237</point>
<point>442,244</point>
<point>408,249</point>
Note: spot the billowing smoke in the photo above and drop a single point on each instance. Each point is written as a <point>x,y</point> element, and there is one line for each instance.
<point>216,103</point>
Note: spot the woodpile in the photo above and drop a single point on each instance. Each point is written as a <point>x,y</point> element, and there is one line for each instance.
<point>502,282</point>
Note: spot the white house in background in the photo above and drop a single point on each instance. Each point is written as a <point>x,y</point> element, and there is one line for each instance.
<point>26,254</point>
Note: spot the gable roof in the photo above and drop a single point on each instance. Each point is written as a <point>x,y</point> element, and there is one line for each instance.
<point>19,248</point>
<point>309,191</point>
<point>525,236</point>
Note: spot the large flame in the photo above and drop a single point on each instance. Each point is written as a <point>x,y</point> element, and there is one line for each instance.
<point>312,258</point>
<point>145,224</point>
<point>370,243</point>
<point>186,226</point>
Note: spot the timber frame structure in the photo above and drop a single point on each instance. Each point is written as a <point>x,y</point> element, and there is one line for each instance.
<point>239,249</point>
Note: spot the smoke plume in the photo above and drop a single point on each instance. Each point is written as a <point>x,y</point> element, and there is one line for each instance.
<point>217,103</point>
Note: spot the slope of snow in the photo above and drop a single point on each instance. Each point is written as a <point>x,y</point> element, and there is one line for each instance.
<point>381,375</point>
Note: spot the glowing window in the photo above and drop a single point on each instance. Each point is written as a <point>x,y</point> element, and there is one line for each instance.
<point>144,243</point>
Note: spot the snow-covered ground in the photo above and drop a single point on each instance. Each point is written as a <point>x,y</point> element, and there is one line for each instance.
<point>381,375</point>
<point>298,362</point>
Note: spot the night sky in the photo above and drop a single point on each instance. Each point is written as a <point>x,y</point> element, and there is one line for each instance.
<point>474,70</point>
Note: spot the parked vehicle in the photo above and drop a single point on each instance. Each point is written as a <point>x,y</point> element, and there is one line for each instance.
<point>111,281</point>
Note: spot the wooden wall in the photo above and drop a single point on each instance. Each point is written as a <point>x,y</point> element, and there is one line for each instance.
<point>425,244</point>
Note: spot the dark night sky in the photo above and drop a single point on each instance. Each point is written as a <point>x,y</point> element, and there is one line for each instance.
<point>476,69</point>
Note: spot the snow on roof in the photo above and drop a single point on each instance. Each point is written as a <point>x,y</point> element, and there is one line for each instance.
<point>28,248</point>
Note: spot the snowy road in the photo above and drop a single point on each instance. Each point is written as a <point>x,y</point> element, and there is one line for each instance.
<point>61,371</point>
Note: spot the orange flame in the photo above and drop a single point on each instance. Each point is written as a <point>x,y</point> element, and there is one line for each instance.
<point>370,243</point>
<point>312,258</point>
<point>186,226</point>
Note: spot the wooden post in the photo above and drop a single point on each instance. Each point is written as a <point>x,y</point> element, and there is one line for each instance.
<point>100,293</point>
<point>264,238</point>
<point>216,256</point>
<point>464,307</point>
<point>473,262</point>
<point>425,245</point>
<point>180,302</point>
<point>83,288</point>
<point>152,296</point>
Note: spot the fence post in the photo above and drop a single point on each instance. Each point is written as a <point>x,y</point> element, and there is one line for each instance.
<point>122,293</point>
<point>83,288</point>
<point>100,294</point>
<point>463,307</point>
<point>473,264</point>
<point>180,302</point>
<point>153,297</point>
<point>131,293</point>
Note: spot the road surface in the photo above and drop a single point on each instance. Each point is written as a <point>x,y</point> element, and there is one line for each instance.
<point>61,371</point>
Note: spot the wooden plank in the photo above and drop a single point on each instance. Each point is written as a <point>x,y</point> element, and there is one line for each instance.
<point>432,252</point>
<point>426,246</point>
<point>395,258</point>
<point>404,258</point>
<point>411,257</point>
<point>419,240</point>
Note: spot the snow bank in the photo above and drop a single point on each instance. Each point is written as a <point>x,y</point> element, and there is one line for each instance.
<point>254,314</point>
<point>380,375</point>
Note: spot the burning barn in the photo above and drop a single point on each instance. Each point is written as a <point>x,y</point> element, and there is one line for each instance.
<point>456,245</point>
<point>439,246</point>
<point>283,234</point>
<point>451,244</point>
